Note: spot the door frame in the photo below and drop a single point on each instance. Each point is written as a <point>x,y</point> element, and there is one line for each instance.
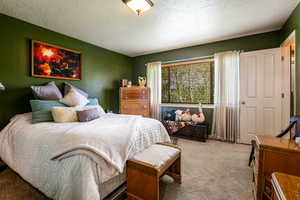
<point>290,41</point>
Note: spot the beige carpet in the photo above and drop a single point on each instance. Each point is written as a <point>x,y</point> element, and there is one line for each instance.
<point>12,187</point>
<point>211,171</point>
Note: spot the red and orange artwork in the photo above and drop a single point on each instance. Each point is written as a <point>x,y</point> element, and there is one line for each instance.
<point>49,61</point>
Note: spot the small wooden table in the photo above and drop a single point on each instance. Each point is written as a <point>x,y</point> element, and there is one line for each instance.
<point>286,187</point>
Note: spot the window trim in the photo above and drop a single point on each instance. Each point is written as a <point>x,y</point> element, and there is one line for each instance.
<point>188,63</point>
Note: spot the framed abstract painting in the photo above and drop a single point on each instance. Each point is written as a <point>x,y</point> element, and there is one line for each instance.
<point>51,61</point>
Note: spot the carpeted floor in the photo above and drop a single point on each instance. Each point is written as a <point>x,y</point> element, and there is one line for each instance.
<point>12,187</point>
<point>211,171</point>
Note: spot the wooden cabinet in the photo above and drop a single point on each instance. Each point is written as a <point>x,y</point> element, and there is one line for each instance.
<point>135,101</point>
<point>286,187</point>
<point>272,155</point>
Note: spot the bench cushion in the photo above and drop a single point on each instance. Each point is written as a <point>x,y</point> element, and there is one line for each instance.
<point>157,155</point>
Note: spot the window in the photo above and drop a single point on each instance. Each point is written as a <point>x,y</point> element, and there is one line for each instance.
<point>188,82</point>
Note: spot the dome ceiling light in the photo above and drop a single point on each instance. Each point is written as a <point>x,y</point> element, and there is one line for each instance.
<point>139,6</point>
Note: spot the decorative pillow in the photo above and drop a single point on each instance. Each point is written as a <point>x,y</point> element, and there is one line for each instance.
<point>93,102</point>
<point>88,115</point>
<point>41,110</point>
<point>98,107</point>
<point>68,87</point>
<point>64,114</point>
<point>74,98</point>
<point>46,92</point>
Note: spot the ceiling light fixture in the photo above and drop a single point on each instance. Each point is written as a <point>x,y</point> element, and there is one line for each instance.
<point>139,6</point>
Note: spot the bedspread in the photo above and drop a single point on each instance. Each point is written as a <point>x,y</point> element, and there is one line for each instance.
<point>75,174</point>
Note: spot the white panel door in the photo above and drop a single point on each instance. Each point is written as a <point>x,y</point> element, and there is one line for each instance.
<point>260,94</point>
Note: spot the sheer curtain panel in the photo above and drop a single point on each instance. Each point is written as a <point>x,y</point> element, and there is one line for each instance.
<point>154,83</point>
<point>226,96</point>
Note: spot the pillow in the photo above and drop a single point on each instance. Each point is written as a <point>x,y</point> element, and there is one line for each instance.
<point>46,92</point>
<point>74,98</point>
<point>41,110</point>
<point>64,114</point>
<point>93,102</point>
<point>88,115</point>
<point>68,87</point>
<point>98,107</point>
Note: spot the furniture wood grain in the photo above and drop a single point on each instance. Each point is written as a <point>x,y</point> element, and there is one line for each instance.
<point>272,155</point>
<point>143,178</point>
<point>286,187</point>
<point>135,101</point>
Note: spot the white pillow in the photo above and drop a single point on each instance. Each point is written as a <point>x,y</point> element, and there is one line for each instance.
<point>64,114</point>
<point>98,107</point>
<point>74,98</point>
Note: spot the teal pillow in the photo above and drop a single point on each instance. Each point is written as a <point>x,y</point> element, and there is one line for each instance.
<point>93,102</point>
<point>41,109</point>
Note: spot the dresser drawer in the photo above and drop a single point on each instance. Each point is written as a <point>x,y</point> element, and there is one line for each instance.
<point>135,109</point>
<point>132,94</point>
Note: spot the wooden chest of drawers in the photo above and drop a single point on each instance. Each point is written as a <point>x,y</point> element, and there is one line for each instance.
<point>135,101</point>
<point>272,155</point>
<point>286,187</point>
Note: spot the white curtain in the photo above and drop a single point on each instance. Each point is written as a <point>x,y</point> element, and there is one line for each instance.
<point>226,97</point>
<point>154,83</point>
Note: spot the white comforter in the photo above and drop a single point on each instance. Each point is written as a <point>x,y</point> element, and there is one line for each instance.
<point>68,161</point>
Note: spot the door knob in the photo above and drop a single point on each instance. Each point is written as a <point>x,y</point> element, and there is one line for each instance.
<point>243,102</point>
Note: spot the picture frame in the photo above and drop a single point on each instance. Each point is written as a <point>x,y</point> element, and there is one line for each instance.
<point>55,62</point>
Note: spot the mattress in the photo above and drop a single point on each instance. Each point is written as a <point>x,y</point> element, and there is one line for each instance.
<point>111,185</point>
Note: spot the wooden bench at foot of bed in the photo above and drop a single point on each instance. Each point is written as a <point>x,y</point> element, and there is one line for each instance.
<point>146,168</point>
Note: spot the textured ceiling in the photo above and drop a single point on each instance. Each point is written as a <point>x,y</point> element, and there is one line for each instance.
<point>168,25</point>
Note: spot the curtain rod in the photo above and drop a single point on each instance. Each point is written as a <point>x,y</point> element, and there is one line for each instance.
<point>186,60</point>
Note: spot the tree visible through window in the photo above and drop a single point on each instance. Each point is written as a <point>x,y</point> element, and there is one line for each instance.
<point>188,82</point>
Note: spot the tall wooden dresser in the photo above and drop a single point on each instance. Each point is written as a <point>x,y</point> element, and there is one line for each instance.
<point>135,101</point>
<point>273,155</point>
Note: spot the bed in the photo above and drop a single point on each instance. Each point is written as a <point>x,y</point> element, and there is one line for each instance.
<point>77,161</point>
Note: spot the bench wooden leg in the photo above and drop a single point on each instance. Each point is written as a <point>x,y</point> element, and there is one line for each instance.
<point>175,171</point>
<point>142,185</point>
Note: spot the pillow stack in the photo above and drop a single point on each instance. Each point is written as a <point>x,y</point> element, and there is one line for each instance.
<point>50,105</point>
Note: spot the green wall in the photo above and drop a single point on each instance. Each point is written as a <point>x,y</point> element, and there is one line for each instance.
<point>102,69</point>
<point>249,43</point>
<point>293,23</point>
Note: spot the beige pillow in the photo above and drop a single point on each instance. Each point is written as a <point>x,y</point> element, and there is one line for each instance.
<point>64,114</point>
<point>74,98</point>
